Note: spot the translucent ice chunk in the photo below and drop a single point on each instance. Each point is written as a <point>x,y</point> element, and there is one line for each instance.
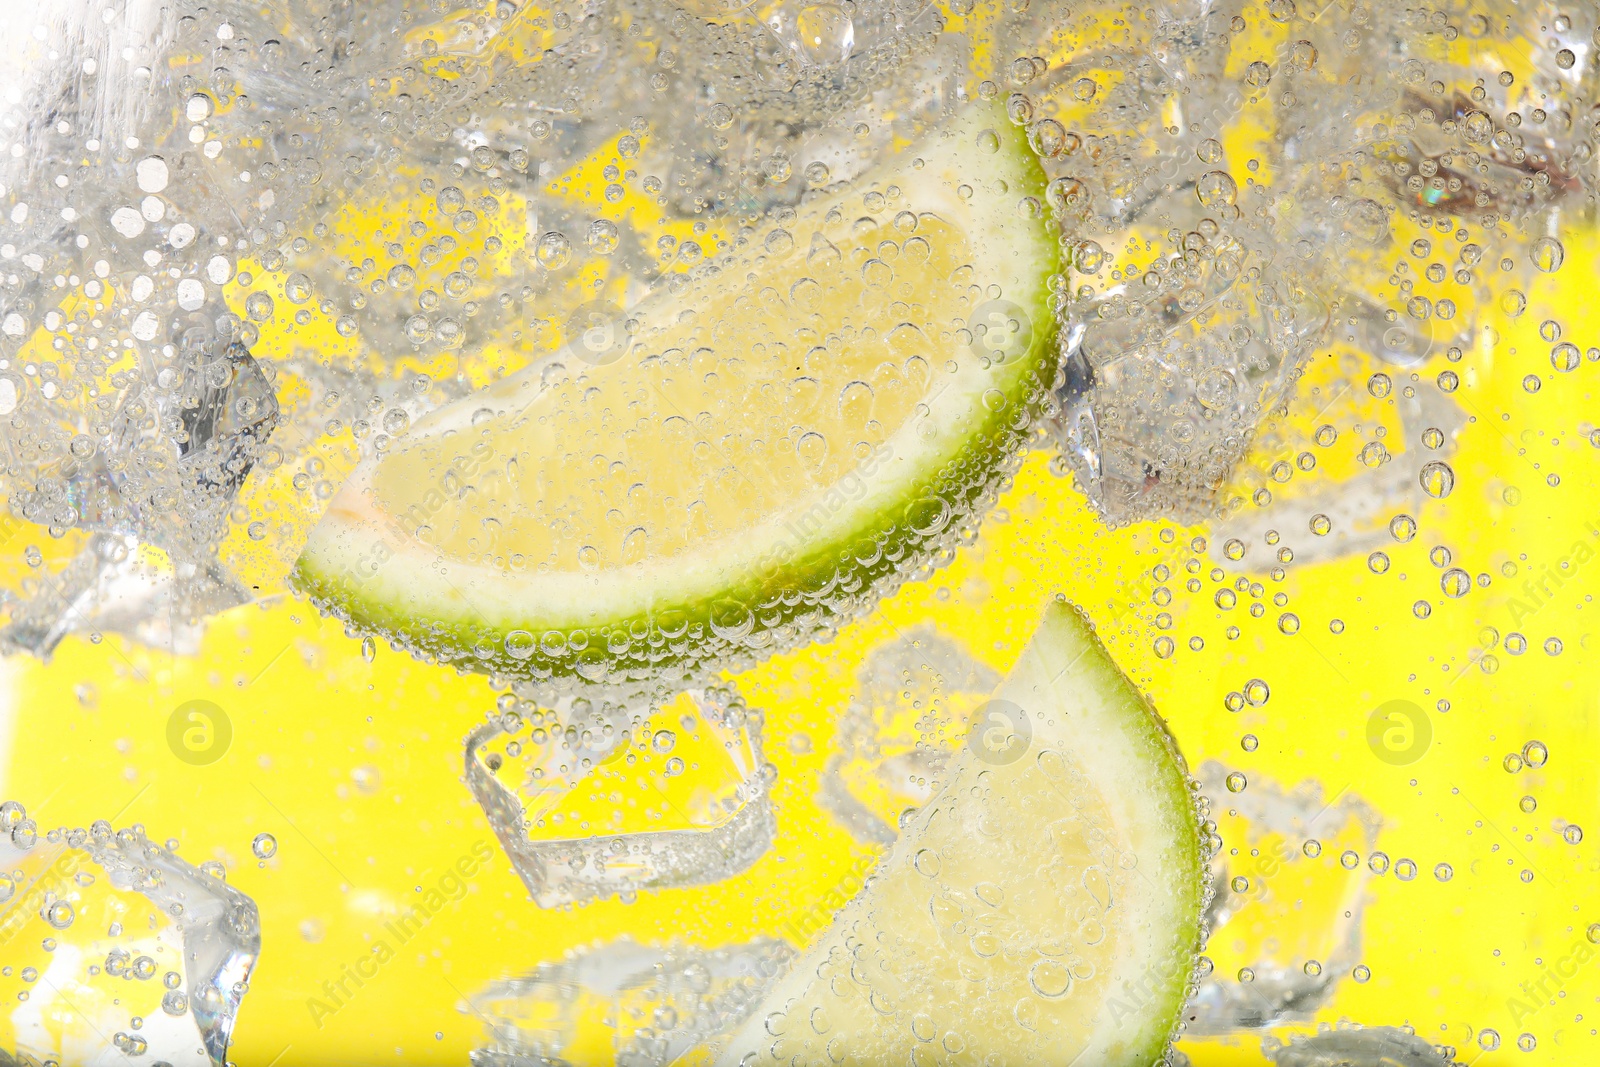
<point>1360,506</point>
<point>918,686</point>
<point>114,586</point>
<point>175,452</point>
<point>1165,382</point>
<point>654,1004</point>
<point>1357,1046</point>
<point>163,474</point>
<point>1294,861</point>
<point>100,929</point>
<point>692,764</point>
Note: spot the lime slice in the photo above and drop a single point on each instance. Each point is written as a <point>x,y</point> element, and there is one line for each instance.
<point>1045,907</point>
<point>759,452</point>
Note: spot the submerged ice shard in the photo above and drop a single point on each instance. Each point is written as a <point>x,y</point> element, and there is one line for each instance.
<point>1296,865</point>
<point>700,791</point>
<point>656,1003</point>
<point>918,686</point>
<point>117,948</point>
<point>163,475</point>
<point>1358,1046</point>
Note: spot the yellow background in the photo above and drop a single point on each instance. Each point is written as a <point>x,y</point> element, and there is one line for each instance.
<point>355,767</point>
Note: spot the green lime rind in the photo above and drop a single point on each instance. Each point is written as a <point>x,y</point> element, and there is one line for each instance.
<point>804,587</point>
<point>1070,656</point>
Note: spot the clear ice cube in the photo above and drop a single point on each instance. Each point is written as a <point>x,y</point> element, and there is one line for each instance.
<point>102,928</point>
<point>1266,916</point>
<point>692,763</point>
<point>1358,507</point>
<point>1357,1046</point>
<point>918,686</point>
<point>1164,384</point>
<point>164,474</point>
<point>624,1003</point>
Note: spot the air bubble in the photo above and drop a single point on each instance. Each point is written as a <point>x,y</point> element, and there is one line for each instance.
<point>1547,254</point>
<point>1437,478</point>
<point>553,250</point>
<point>1217,189</point>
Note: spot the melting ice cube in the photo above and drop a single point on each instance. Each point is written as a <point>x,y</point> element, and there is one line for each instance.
<point>163,475</point>
<point>1165,383</point>
<point>914,687</point>
<point>1265,894</point>
<point>699,791</point>
<point>646,1005</point>
<point>101,928</point>
<point>1357,1046</point>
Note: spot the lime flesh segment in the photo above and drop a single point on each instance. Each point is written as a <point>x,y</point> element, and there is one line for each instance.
<point>1044,908</point>
<point>790,435</point>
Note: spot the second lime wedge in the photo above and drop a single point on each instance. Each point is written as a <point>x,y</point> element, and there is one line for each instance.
<point>1043,908</point>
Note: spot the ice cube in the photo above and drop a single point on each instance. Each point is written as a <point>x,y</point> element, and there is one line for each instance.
<point>102,928</point>
<point>692,762</point>
<point>1358,507</point>
<point>164,475</point>
<point>653,1004</point>
<point>1283,884</point>
<point>1357,1046</point>
<point>1164,388</point>
<point>115,586</point>
<point>920,685</point>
